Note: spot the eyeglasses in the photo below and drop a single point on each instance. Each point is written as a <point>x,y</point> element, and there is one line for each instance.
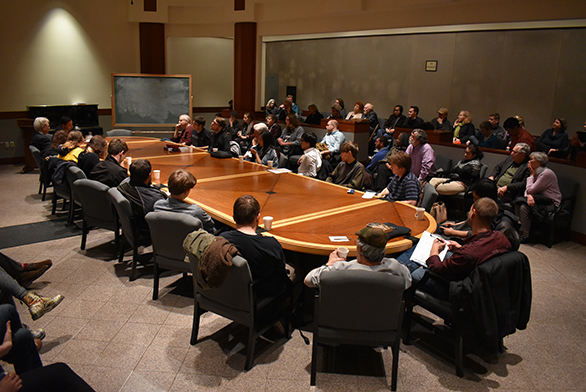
<point>515,152</point>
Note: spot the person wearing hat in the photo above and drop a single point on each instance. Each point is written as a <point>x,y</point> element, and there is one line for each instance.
<point>370,256</point>
<point>441,122</point>
<point>336,113</point>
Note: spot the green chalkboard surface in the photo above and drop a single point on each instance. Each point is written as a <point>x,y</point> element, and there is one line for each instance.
<point>150,100</point>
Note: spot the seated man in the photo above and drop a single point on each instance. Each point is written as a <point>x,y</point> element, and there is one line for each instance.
<point>476,249</point>
<point>422,155</point>
<point>404,186</point>
<point>265,256</point>
<point>333,138</point>
<point>349,172</point>
<point>180,183</point>
<point>139,191</point>
<point>310,162</point>
<point>258,128</point>
<point>511,174</point>
<point>397,119</point>
<point>496,128</point>
<point>109,171</point>
<point>413,119</point>
<point>233,125</point>
<point>40,139</point>
<point>441,122</point>
<point>370,256</point>
<point>200,137</point>
<point>273,126</point>
<point>382,145</point>
<point>518,133</point>
<point>183,130</point>
<point>336,112</point>
<point>220,138</point>
<point>484,137</point>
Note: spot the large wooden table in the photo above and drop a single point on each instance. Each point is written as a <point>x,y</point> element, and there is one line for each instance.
<point>306,211</point>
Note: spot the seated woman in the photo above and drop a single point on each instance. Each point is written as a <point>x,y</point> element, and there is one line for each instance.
<point>245,135</point>
<point>290,141</point>
<point>463,127</point>
<point>267,150</point>
<point>556,138</point>
<point>542,193</point>
<point>357,113</point>
<point>271,107</point>
<point>71,148</point>
<point>404,186</point>
<point>314,116</point>
<point>463,174</point>
<point>96,150</point>
<point>484,138</point>
<point>59,138</point>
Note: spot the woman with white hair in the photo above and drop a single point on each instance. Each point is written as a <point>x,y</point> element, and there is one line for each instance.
<point>542,194</point>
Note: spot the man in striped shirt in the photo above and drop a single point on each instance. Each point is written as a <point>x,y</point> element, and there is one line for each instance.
<point>404,186</point>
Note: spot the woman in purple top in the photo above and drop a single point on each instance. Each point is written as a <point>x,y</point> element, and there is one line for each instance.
<point>542,193</point>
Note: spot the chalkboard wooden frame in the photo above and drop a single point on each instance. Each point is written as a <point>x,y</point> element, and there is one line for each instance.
<point>133,106</point>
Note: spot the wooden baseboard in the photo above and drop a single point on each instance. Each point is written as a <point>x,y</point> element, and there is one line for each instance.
<point>579,238</point>
<point>11,161</point>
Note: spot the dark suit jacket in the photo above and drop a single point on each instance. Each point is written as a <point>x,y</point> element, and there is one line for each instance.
<point>518,182</point>
<point>108,172</point>
<point>42,142</point>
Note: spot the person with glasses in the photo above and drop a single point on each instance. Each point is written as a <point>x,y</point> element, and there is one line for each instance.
<point>511,174</point>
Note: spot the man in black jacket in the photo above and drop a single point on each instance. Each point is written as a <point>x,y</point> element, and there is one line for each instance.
<point>511,174</point>
<point>40,139</point>
<point>109,171</point>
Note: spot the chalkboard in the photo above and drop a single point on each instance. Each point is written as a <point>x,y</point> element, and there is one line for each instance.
<point>150,100</point>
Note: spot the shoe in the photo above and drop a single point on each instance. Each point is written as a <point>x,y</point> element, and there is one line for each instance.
<point>27,277</point>
<point>40,305</point>
<point>39,344</point>
<point>37,334</point>
<point>36,266</point>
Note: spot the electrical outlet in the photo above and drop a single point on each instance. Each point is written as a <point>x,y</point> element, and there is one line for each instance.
<point>12,144</point>
<point>7,144</point>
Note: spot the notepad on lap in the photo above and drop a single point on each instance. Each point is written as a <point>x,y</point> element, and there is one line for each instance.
<point>423,248</point>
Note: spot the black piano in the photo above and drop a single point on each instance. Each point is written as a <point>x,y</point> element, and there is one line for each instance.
<point>84,116</point>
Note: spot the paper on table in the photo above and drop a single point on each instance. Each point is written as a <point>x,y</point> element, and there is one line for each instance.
<point>339,238</point>
<point>279,171</point>
<point>368,195</point>
<point>423,248</point>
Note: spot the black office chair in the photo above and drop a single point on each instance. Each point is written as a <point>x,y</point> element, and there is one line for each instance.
<point>97,210</point>
<point>465,199</point>
<point>442,163</point>
<point>44,178</point>
<point>236,300</point>
<point>559,224</point>
<point>479,311</point>
<point>168,230</point>
<point>61,189</point>
<point>360,308</point>
<point>130,228</point>
<point>73,174</point>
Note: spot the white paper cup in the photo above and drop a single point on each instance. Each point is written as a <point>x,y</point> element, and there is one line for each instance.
<point>268,220</point>
<point>128,161</point>
<point>241,158</point>
<point>190,148</point>
<point>157,175</point>
<point>420,213</point>
<point>343,252</point>
<point>270,164</point>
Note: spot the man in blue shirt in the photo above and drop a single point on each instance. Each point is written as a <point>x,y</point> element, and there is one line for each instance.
<point>382,145</point>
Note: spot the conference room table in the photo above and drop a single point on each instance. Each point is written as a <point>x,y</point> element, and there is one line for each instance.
<point>306,212</point>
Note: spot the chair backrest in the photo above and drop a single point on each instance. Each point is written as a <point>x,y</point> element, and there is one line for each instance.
<point>429,197</point>
<point>74,173</point>
<point>96,204</point>
<point>501,144</point>
<point>37,155</point>
<point>119,132</point>
<point>168,230</point>
<point>124,211</point>
<point>569,191</point>
<point>360,300</point>
<point>235,292</point>
<point>483,170</point>
<point>443,162</point>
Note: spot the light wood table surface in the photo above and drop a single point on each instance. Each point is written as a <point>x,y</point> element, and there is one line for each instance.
<point>306,211</point>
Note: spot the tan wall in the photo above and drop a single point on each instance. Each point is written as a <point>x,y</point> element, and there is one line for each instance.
<point>60,53</point>
<point>538,74</point>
